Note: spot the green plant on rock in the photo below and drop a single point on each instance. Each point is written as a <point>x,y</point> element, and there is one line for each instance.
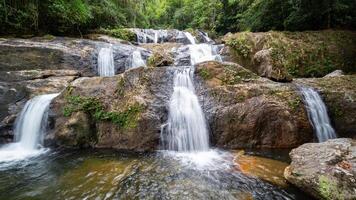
<point>234,76</point>
<point>294,104</point>
<point>120,33</point>
<point>205,74</point>
<point>94,108</point>
<point>121,86</point>
<point>329,189</point>
<point>241,44</point>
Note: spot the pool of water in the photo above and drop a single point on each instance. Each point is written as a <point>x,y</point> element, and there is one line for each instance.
<point>106,174</point>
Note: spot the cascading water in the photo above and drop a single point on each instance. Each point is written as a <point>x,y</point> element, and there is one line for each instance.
<point>190,37</point>
<point>186,128</point>
<point>150,35</point>
<point>205,37</point>
<point>29,130</point>
<point>135,60</point>
<point>106,62</point>
<point>317,114</point>
<point>202,52</point>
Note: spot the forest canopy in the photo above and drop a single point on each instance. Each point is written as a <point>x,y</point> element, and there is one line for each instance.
<point>218,16</point>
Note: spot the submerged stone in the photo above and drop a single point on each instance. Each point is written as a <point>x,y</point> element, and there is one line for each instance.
<point>263,168</point>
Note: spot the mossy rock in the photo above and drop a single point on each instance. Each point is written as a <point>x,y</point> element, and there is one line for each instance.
<point>224,73</point>
<point>301,54</point>
<point>160,60</point>
<point>120,33</point>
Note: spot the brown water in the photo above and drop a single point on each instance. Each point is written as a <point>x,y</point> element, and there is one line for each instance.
<point>93,174</point>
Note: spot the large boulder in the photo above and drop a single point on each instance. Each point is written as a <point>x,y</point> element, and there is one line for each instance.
<point>325,170</point>
<point>244,110</point>
<point>297,54</point>
<point>121,112</point>
<point>339,95</point>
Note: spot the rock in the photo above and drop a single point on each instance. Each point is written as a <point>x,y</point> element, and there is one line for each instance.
<point>23,75</point>
<point>22,86</point>
<point>265,68</point>
<point>163,54</point>
<point>325,170</point>
<point>297,54</point>
<point>263,168</point>
<point>63,53</point>
<point>339,96</point>
<point>335,73</point>
<point>160,60</point>
<point>121,112</point>
<point>244,110</point>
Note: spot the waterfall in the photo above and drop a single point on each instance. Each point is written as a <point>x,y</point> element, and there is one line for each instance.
<point>150,35</point>
<point>135,60</point>
<point>186,129</point>
<point>205,37</point>
<point>30,127</point>
<point>317,114</point>
<point>203,52</point>
<point>189,37</point>
<point>106,62</point>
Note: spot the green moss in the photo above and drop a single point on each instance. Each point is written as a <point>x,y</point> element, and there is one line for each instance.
<point>234,76</point>
<point>241,44</point>
<point>151,61</point>
<point>205,74</point>
<point>49,37</point>
<point>121,86</point>
<point>120,33</point>
<point>94,108</point>
<point>337,111</point>
<point>328,189</point>
<point>301,54</point>
<point>294,104</point>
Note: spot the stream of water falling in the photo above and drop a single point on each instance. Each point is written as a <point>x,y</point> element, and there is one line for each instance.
<point>30,127</point>
<point>106,62</point>
<point>202,52</point>
<point>135,60</point>
<point>318,114</point>
<point>190,37</point>
<point>186,128</point>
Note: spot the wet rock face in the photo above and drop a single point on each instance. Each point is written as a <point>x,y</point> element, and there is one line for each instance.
<point>63,53</point>
<point>16,87</point>
<point>121,112</point>
<point>244,110</point>
<point>325,170</point>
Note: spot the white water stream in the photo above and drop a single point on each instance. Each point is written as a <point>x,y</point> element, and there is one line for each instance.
<point>135,60</point>
<point>186,128</point>
<point>318,114</point>
<point>30,127</point>
<point>106,62</point>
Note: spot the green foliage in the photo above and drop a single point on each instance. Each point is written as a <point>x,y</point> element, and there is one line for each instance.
<point>205,74</point>
<point>262,15</point>
<point>67,15</point>
<point>80,16</point>
<point>301,54</point>
<point>294,104</point>
<point>234,76</point>
<point>120,33</point>
<point>241,45</point>
<point>94,108</point>
<point>329,189</point>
